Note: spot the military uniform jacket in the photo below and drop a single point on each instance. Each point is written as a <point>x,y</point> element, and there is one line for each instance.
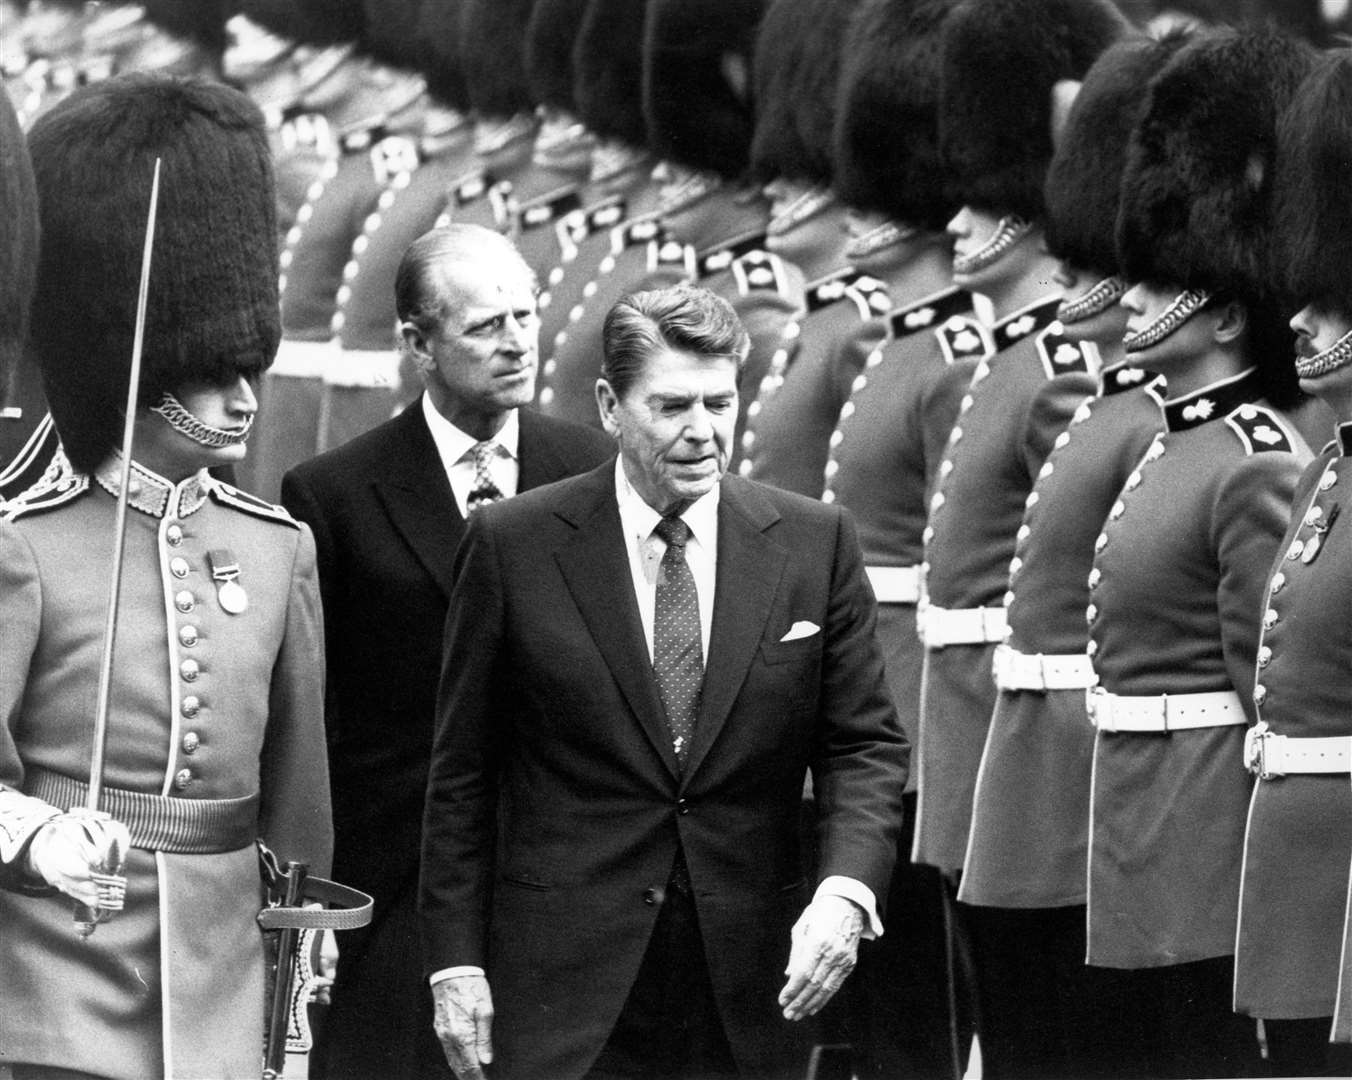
<point>1018,402</point>
<point>1298,845</point>
<point>1175,607</point>
<point>788,428</point>
<point>205,704</point>
<point>1029,841</point>
<point>885,449</point>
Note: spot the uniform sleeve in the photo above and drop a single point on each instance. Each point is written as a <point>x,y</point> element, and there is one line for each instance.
<point>939,406</point>
<point>861,757</point>
<point>1050,413</point>
<point>460,820</point>
<point>295,818</point>
<point>1249,519</point>
<point>21,604</point>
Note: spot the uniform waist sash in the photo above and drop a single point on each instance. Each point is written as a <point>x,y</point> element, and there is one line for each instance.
<point>1163,712</point>
<point>894,584</point>
<point>941,627</point>
<point>1015,670</point>
<point>1269,755</point>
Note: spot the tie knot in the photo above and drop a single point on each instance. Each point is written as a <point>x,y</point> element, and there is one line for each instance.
<point>674,531</point>
<point>484,452</point>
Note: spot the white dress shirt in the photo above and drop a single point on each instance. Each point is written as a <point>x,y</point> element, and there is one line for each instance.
<point>456,450</point>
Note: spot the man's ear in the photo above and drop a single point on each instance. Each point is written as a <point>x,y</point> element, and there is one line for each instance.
<point>1232,319</point>
<point>607,402</point>
<point>415,341</point>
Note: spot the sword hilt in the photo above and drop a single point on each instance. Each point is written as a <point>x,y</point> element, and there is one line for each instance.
<point>107,874</point>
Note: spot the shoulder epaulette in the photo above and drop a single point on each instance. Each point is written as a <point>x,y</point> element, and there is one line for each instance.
<point>932,311</point>
<point>51,491</point>
<point>671,254</point>
<point>1259,429</point>
<point>577,225</point>
<point>831,289</point>
<point>631,233</point>
<point>870,296</point>
<point>962,337</point>
<point>721,258</point>
<point>1060,355</point>
<point>251,504</point>
<point>532,215</point>
<point>760,271</point>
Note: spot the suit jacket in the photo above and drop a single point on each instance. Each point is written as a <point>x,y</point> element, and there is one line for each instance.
<point>556,805</point>
<point>386,528</point>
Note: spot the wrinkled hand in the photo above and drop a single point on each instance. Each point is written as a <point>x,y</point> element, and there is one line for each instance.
<point>825,942</point>
<point>70,851</point>
<point>464,1023</point>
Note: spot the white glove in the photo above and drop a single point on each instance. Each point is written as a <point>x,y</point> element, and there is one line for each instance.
<point>81,853</point>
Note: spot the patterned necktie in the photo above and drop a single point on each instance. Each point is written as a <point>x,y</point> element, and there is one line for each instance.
<point>484,491</point>
<point>678,659</point>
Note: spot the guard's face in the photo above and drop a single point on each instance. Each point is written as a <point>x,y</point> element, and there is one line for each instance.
<point>1146,303</point>
<point>226,408</point>
<point>674,426</point>
<point>807,223</point>
<point>480,360</point>
<point>1107,327</point>
<point>1000,256</point>
<point>1318,331</point>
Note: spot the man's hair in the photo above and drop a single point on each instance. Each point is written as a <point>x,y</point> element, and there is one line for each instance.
<point>683,318</point>
<point>418,296</point>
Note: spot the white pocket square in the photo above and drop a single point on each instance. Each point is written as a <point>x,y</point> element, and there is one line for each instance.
<point>801,629</point>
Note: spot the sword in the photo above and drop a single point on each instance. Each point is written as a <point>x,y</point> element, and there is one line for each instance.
<point>87,918</point>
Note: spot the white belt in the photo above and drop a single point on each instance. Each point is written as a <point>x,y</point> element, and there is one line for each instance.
<point>1042,671</point>
<point>1163,712</point>
<point>895,584</point>
<point>939,627</point>
<point>303,359</point>
<point>1267,754</point>
<point>373,369</point>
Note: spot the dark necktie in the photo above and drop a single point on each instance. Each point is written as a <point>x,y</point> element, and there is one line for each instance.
<point>484,490</point>
<point>678,659</point>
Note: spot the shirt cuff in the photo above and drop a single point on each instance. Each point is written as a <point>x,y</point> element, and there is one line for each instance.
<point>850,889</point>
<point>453,972</point>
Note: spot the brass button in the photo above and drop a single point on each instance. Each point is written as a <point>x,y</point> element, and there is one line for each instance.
<point>191,742</point>
<point>189,670</point>
<point>1328,480</point>
<point>182,779</point>
<point>1095,576</point>
<point>178,567</point>
<point>1259,694</point>
<point>1270,618</point>
<point>190,706</point>
<point>1278,582</point>
<point>184,601</point>
<point>187,636</point>
<point>1264,656</point>
<point>174,534</point>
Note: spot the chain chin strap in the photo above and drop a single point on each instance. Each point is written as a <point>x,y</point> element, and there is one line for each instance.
<point>1337,355</point>
<point>182,421</point>
<point>1008,232</point>
<point>1098,299</point>
<point>1184,307</point>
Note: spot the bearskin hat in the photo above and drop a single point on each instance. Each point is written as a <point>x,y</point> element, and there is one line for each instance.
<point>199,21</point>
<point>1001,59</point>
<point>886,137</point>
<point>390,31</point>
<point>550,36</point>
<point>1197,193</point>
<point>1084,182</point>
<point>18,240</point>
<point>439,36</point>
<point>309,22</point>
<point>213,307</point>
<point>1314,215</point>
<point>696,116</point>
<point>492,46</point>
<point>608,70</point>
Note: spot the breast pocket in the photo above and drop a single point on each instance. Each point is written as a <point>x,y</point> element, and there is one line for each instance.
<point>787,652</point>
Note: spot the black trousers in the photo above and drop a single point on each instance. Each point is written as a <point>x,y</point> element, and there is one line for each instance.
<point>669,1028</point>
<point>1302,1048</point>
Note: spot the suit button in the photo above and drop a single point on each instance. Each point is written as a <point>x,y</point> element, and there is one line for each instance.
<point>652,895</point>
<point>682,807</point>
<point>182,779</point>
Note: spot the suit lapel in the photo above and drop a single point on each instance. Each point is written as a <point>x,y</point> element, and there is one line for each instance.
<point>595,566</point>
<point>750,566</point>
<point>417,496</point>
<point>540,462</point>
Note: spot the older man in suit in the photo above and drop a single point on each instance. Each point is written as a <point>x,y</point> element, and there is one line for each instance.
<point>642,665</point>
<point>387,511</point>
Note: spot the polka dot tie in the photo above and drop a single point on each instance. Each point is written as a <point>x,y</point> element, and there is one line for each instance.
<point>484,491</point>
<point>678,659</point>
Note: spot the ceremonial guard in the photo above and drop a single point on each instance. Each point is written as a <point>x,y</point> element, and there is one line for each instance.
<point>1045,1012</point>
<point>1177,581</point>
<point>1298,843</point>
<point>888,440</point>
<point>214,732</point>
<point>787,425</point>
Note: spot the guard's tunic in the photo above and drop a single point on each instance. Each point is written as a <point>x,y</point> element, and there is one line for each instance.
<point>1029,838</point>
<point>1018,402</point>
<point>1175,609</point>
<point>1298,846</point>
<point>787,434</point>
<point>221,712</point>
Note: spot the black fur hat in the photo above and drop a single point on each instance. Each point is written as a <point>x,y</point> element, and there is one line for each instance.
<point>1084,182</point>
<point>1314,213</point>
<point>201,21</point>
<point>1001,59</point>
<point>696,115</point>
<point>212,310</point>
<point>18,240</point>
<point>310,22</point>
<point>797,65</point>
<point>886,134</point>
<point>493,49</point>
<point>390,32</point>
<point>1197,194</point>
<point>439,34</point>
<point>608,70</point>
<point>550,35</point>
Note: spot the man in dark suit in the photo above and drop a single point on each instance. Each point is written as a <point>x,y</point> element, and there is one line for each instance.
<point>642,665</point>
<point>387,511</point>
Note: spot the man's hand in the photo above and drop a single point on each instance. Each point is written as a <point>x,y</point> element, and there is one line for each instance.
<point>68,852</point>
<point>464,1023</point>
<point>825,942</point>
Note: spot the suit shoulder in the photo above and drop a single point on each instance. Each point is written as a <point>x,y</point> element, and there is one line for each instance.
<point>228,495</point>
<point>583,440</point>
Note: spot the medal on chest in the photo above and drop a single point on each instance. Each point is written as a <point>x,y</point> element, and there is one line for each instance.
<point>230,593</point>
